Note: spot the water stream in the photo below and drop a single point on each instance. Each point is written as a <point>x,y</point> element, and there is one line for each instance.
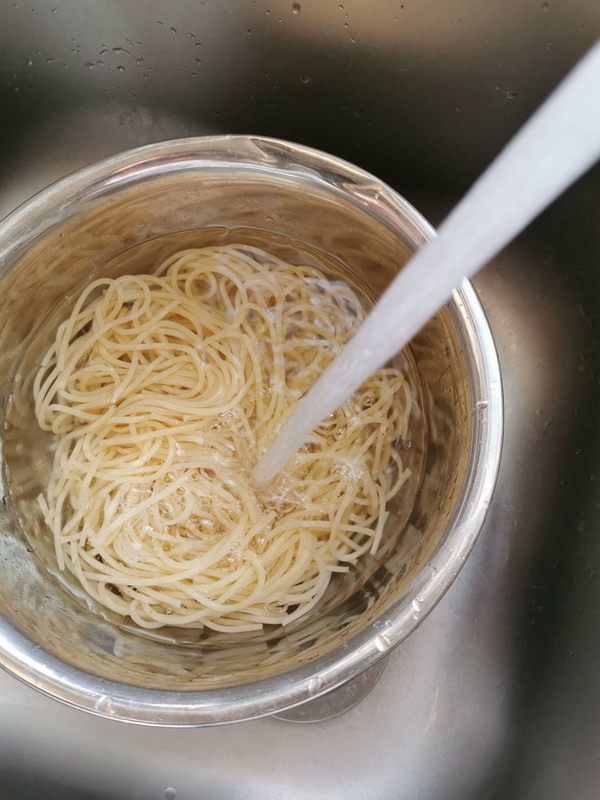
<point>554,148</point>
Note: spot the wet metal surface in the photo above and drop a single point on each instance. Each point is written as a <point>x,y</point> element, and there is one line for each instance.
<point>496,695</point>
<point>339,701</point>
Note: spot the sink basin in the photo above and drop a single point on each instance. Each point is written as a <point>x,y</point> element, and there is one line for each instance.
<point>496,695</point>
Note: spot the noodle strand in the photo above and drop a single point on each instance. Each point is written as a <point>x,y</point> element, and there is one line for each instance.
<point>162,390</point>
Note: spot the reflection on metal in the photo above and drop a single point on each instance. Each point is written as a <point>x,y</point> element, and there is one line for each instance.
<point>339,700</point>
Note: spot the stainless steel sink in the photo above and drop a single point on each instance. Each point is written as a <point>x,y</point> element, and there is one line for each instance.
<point>497,694</point>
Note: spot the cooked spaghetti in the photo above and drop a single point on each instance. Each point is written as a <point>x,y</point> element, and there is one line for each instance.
<point>162,390</point>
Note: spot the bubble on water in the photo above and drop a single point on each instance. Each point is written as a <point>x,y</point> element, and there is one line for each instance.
<point>353,469</point>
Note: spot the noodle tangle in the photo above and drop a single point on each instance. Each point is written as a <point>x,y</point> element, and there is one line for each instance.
<point>161,390</point>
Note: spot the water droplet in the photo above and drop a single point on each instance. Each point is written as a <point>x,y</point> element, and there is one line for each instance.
<point>120,68</point>
<point>28,62</point>
<point>50,60</point>
<point>139,60</point>
<point>382,642</point>
<point>481,404</point>
<point>497,87</point>
<point>53,10</point>
<point>545,7</point>
<point>104,705</point>
<point>170,793</point>
<point>296,8</point>
<point>305,79</point>
<point>382,625</point>
<point>173,30</point>
<point>89,65</point>
<point>121,50</point>
<point>510,94</point>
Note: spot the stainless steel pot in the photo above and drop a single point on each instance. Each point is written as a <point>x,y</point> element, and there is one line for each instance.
<point>114,217</point>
